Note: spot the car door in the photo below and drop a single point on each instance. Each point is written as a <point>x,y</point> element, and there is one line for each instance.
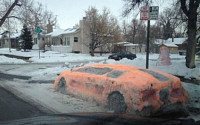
<point>93,78</point>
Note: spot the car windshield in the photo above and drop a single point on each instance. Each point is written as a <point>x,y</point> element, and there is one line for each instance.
<point>115,74</point>
<point>94,70</point>
<point>127,57</point>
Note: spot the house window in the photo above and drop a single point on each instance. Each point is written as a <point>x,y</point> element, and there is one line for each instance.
<point>53,41</point>
<point>75,39</point>
<point>68,41</point>
<point>65,43</point>
<point>35,40</point>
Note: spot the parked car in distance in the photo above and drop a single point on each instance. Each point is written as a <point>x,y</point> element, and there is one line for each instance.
<point>121,55</point>
<point>125,89</point>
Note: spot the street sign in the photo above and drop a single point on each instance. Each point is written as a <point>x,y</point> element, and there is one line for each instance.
<point>153,12</point>
<point>38,30</point>
<point>144,13</point>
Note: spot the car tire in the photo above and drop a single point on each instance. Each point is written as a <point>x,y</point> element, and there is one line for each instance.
<point>116,102</point>
<point>132,58</point>
<point>62,86</point>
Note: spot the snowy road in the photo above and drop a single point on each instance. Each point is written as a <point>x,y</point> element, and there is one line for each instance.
<point>36,87</point>
<point>12,107</point>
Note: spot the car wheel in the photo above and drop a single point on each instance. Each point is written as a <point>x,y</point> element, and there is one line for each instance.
<point>132,58</point>
<point>61,86</point>
<point>116,102</point>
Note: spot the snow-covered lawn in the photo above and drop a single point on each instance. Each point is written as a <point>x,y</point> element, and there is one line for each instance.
<point>177,68</point>
<point>51,56</point>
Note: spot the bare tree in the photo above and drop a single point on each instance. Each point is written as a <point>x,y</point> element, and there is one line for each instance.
<point>7,12</point>
<point>104,29</point>
<point>190,9</point>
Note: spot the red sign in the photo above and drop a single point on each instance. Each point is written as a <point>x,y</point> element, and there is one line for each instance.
<point>144,13</point>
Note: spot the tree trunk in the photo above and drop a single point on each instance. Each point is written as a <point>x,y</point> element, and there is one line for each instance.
<point>92,52</point>
<point>191,47</point>
<point>8,12</point>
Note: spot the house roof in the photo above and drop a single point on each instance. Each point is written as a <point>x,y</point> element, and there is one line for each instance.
<point>122,43</point>
<point>126,44</point>
<point>15,34</point>
<point>58,32</point>
<point>131,44</point>
<point>70,30</point>
<point>169,43</point>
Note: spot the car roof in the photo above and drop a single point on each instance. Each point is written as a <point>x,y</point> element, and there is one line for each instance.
<point>114,66</point>
<point>145,73</point>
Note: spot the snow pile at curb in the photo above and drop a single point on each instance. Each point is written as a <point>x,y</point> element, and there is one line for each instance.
<point>7,60</point>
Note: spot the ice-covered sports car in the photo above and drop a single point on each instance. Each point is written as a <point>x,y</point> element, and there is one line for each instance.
<point>125,89</point>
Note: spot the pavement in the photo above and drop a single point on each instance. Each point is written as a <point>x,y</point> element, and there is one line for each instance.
<point>12,107</point>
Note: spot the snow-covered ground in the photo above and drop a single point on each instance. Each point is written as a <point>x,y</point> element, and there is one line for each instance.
<point>49,56</point>
<point>44,94</point>
<point>7,60</point>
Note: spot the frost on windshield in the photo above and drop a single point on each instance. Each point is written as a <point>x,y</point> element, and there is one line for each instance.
<point>94,70</point>
<point>156,75</point>
<point>115,74</point>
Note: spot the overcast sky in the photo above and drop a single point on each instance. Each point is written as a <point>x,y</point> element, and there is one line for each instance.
<point>69,12</point>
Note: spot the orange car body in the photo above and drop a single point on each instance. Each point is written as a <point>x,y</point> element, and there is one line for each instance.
<point>138,86</point>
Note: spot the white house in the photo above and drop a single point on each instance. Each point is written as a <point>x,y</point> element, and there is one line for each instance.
<point>74,39</point>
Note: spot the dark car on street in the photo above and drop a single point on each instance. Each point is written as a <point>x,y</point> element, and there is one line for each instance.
<point>121,55</point>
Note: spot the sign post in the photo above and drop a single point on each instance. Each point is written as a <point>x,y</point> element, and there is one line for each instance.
<point>153,12</point>
<point>148,13</point>
<point>38,31</point>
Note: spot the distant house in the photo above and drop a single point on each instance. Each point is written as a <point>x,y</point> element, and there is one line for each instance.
<point>174,45</point>
<point>127,46</point>
<point>14,38</point>
<point>76,39</point>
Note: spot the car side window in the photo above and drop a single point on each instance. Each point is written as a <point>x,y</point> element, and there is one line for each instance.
<point>94,70</point>
<point>115,74</point>
<point>156,75</point>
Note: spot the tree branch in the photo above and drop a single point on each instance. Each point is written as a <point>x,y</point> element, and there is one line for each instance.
<point>184,8</point>
<point>8,12</point>
<point>15,17</point>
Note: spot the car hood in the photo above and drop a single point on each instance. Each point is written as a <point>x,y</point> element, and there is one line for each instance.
<point>96,118</point>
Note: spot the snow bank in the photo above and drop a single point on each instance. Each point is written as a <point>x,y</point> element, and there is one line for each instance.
<point>7,60</point>
<point>52,57</point>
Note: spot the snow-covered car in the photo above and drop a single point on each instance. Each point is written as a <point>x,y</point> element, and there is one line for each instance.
<point>125,89</point>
